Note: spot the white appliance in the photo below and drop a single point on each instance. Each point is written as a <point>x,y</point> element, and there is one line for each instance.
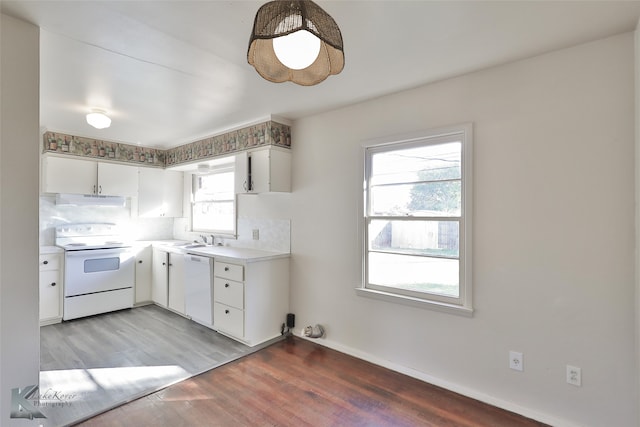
<point>99,271</point>
<point>198,297</point>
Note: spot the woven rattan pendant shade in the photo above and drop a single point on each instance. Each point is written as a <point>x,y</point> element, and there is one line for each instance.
<point>282,17</point>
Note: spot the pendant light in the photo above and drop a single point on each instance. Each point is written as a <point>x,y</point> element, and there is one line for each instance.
<point>297,41</point>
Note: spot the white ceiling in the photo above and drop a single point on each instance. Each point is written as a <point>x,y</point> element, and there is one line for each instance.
<point>171,72</point>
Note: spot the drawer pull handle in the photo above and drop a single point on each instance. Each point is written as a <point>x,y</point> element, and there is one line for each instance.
<point>226,285</point>
<point>226,312</point>
<point>53,283</point>
<point>226,269</point>
<point>140,262</point>
<point>45,262</point>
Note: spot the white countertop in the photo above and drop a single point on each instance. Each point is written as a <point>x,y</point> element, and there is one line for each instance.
<point>176,246</point>
<point>228,252</point>
<point>50,250</point>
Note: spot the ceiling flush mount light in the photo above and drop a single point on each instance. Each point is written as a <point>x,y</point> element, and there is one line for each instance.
<point>98,119</point>
<point>297,41</point>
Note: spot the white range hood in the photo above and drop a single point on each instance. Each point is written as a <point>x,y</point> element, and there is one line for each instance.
<point>90,200</point>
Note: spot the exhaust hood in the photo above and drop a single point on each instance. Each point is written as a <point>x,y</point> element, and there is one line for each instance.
<point>90,200</point>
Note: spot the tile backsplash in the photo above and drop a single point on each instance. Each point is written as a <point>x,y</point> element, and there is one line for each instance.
<point>273,234</point>
<point>52,216</point>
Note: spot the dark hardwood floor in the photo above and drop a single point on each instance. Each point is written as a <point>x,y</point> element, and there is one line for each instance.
<point>299,383</point>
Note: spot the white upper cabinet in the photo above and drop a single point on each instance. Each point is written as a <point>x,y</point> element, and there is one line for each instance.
<point>263,171</point>
<point>75,176</point>
<point>61,175</point>
<point>117,180</point>
<point>160,193</point>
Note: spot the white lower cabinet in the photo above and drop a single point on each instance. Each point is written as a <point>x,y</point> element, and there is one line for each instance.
<point>143,274</point>
<point>160,277</point>
<point>251,299</point>
<point>176,282</point>
<point>167,281</point>
<point>51,286</point>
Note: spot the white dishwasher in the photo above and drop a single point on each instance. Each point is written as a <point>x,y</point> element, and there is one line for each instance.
<point>198,288</point>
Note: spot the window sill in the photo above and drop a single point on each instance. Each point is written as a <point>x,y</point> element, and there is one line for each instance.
<point>415,302</point>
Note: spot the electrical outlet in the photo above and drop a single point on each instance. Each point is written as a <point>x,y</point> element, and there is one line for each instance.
<point>574,375</point>
<point>256,234</point>
<point>516,361</point>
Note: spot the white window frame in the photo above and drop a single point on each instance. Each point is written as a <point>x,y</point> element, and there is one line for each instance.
<point>224,168</point>
<point>463,304</point>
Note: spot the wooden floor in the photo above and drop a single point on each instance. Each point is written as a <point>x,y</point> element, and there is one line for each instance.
<point>300,383</point>
<point>101,361</point>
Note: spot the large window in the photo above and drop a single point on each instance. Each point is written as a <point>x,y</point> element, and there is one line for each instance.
<point>214,203</point>
<point>417,203</point>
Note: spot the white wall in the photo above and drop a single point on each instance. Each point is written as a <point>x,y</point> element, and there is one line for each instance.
<point>553,235</point>
<point>19,136</point>
<point>637,216</point>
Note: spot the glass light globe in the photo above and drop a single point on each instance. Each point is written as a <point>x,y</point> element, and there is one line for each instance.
<point>98,119</point>
<point>297,50</point>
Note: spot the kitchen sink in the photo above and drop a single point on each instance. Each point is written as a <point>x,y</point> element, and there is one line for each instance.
<point>187,245</point>
<point>194,245</point>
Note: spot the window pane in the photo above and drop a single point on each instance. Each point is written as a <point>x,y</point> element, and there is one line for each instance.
<point>217,186</point>
<point>218,216</point>
<point>415,274</point>
<point>440,198</point>
<point>435,238</point>
<point>426,163</point>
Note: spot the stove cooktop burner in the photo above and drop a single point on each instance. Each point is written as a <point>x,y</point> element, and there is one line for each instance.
<point>90,236</point>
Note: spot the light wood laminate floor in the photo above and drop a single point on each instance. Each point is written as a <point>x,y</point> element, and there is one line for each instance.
<point>91,364</point>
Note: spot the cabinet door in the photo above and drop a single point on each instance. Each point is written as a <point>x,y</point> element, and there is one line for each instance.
<point>159,277</point>
<point>242,173</point>
<point>117,180</point>
<point>176,282</point>
<point>73,176</point>
<point>263,171</point>
<point>50,292</point>
<point>143,274</point>
<point>173,191</point>
<point>150,192</point>
<point>280,170</point>
<point>260,179</point>
<point>160,193</point>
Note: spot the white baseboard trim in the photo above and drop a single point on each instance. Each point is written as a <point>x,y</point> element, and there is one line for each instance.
<point>454,387</point>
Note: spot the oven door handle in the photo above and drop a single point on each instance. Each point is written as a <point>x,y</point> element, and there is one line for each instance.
<point>96,253</point>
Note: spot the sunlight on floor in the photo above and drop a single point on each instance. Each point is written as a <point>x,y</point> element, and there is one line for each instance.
<point>80,381</point>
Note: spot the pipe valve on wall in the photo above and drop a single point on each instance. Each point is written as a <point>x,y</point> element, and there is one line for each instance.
<point>316,331</point>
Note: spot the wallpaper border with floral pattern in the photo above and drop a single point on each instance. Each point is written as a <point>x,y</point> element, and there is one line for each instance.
<point>263,134</point>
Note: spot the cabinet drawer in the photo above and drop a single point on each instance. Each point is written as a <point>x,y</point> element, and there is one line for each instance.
<point>228,319</point>
<point>228,292</point>
<point>228,271</point>
<point>49,262</point>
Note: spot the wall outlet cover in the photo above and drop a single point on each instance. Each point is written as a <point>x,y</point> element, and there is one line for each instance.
<point>574,376</point>
<point>516,361</point>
